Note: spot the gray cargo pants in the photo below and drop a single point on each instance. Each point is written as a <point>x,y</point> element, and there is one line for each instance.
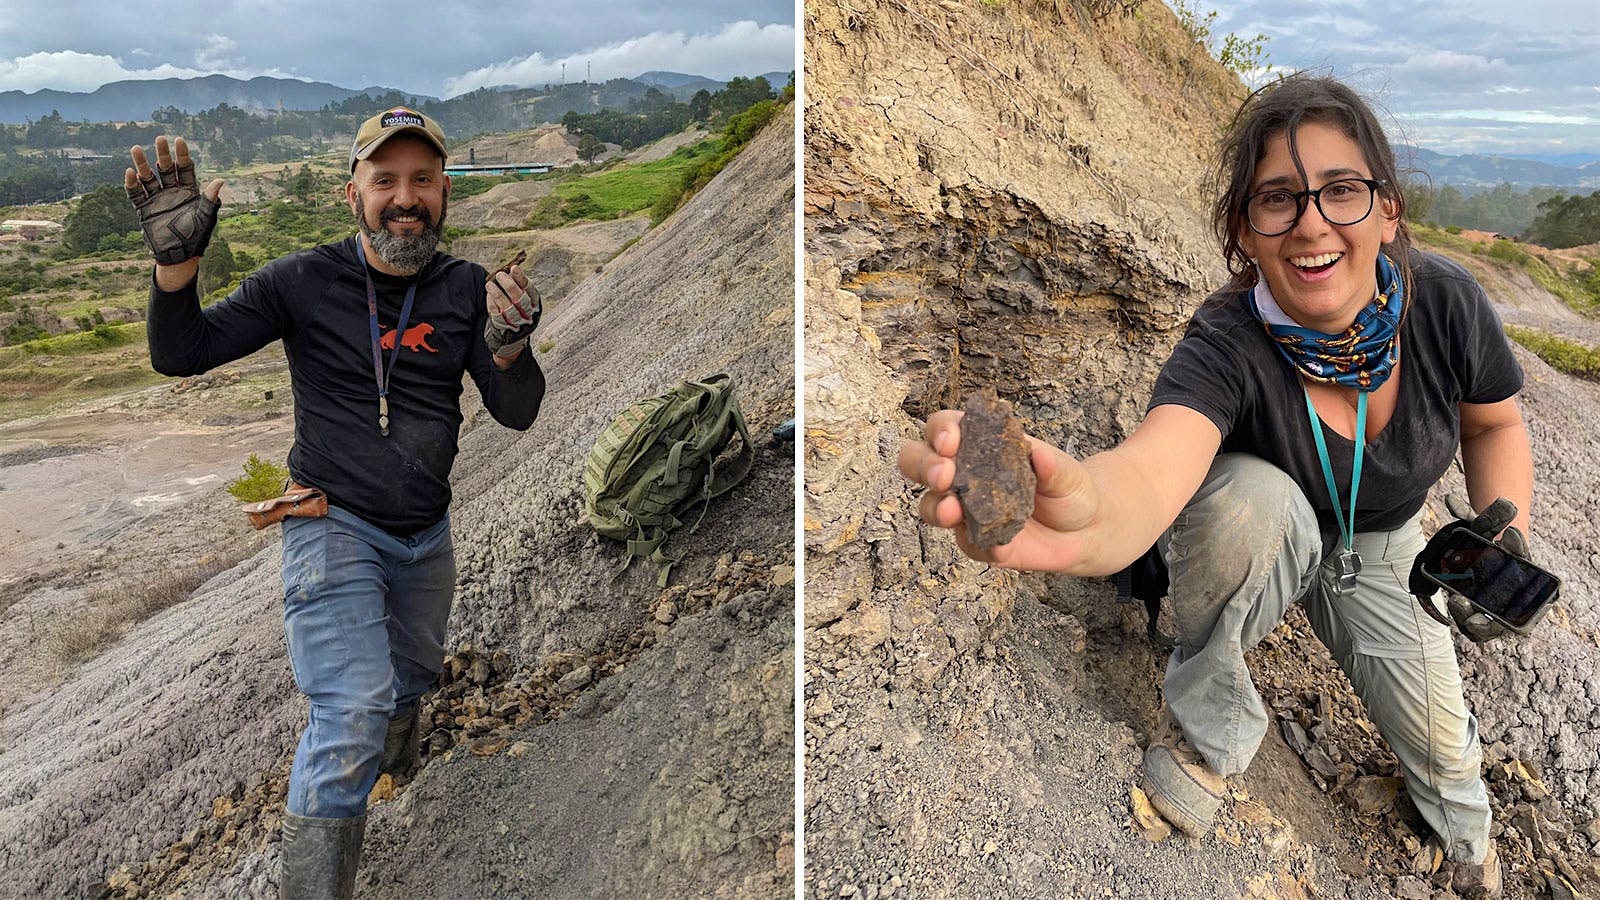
<point>1247,546</point>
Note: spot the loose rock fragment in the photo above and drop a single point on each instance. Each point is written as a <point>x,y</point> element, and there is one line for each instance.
<point>1146,819</point>
<point>994,480</point>
<point>1373,794</point>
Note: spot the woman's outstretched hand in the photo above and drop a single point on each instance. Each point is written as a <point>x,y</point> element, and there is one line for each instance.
<point>1065,503</point>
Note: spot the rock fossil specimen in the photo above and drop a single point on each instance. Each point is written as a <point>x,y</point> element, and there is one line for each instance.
<point>994,479</point>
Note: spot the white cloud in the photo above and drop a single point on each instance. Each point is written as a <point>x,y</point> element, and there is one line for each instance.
<point>1516,116</point>
<point>739,48</point>
<point>1448,64</point>
<point>70,70</point>
<point>214,53</point>
<point>1508,89</point>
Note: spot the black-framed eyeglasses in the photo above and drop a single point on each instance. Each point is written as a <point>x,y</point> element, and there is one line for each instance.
<point>1343,202</point>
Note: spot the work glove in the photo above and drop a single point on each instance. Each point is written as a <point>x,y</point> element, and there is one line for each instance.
<point>1475,625</point>
<point>514,310</point>
<point>176,217</point>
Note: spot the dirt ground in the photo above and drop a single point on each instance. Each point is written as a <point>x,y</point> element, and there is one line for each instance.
<point>108,490</point>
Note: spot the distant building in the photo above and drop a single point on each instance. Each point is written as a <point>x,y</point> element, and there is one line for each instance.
<point>29,229</point>
<point>498,169</point>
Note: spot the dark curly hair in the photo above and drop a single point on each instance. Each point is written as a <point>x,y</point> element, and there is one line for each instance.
<point>1280,108</point>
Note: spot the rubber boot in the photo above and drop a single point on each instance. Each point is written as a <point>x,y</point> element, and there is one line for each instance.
<point>1180,785</point>
<point>320,857</point>
<point>400,751</point>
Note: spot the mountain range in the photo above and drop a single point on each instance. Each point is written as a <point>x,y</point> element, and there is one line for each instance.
<point>1478,171</point>
<point>136,100</point>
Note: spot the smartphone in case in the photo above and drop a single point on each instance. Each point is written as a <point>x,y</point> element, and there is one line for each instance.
<point>1510,590</point>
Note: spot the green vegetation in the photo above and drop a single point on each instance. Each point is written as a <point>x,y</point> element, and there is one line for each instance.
<point>1567,221</point>
<point>1246,57</point>
<point>1562,355</point>
<point>1503,209</point>
<point>100,337</point>
<point>1578,284</point>
<point>262,480</point>
<point>546,346</point>
<point>619,191</point>
<point>741,128</point>
<point>103,213</point>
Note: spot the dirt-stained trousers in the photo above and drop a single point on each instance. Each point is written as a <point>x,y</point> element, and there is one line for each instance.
<point>365,615</point>
<point>1247,546</point>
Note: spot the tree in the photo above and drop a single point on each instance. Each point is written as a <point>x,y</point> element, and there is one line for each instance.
<point>102,213</point>
<point>1567,221</point>
<point>700,105</point>
<point>49,131</point>
<point>740,95</point>
<point>217,265</point>
<point>589,147</point>
<point>302,184</point>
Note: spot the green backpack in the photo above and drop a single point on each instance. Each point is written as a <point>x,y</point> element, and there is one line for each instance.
<point>657,459</point>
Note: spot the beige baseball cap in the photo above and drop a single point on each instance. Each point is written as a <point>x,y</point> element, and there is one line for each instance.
<point>385,125</point>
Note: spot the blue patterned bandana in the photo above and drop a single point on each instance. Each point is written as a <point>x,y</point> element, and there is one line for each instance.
<point>1362,356</point>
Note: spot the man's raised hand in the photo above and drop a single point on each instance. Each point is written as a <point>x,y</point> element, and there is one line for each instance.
<point>514,310</point>
<point>1065,502</point>
<point>176,216</point>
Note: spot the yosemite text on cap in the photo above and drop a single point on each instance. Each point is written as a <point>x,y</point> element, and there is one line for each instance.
<point>399,120</point>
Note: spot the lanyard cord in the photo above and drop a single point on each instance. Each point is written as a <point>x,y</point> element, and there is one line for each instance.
<point>378,373</point>
<point>1346,531</point>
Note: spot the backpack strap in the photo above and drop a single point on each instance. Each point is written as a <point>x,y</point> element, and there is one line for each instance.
<point>1145,579</point>
<point>739,467</point>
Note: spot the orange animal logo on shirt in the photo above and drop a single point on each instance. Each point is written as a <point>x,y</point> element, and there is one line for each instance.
<point>416,338</point>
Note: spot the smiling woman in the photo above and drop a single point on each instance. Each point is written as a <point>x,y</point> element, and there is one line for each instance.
<point>1289,446</point>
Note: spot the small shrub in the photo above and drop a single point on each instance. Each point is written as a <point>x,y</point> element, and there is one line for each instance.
<point>1452,229</point>
<point>115,608</point>
<point>262,480</point>
<point>665,205</point>
<point>546,346</point>
<point>1561,354</point>
<point>1509,252</point>
<point>22,331</point>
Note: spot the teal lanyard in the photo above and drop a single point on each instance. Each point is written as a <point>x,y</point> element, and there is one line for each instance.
<point>1347,531</point>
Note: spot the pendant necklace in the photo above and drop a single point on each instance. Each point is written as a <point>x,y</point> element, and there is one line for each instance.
<point>1348,562</point>
<point>378,372</point>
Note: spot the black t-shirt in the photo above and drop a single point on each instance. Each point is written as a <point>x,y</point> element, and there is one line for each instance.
<point>316,301</point>
<point>1452,350</point>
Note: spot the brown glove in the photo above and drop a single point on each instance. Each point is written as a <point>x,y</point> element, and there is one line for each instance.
<point>176,217</point>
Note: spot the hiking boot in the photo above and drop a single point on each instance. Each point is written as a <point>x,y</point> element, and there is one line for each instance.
<point>400,751</point>
<point>1481,880</point>
<point>320,857</point>
<point>1180,785</point>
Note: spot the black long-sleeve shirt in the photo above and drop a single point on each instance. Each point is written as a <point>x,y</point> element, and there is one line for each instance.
<point>316,301</point>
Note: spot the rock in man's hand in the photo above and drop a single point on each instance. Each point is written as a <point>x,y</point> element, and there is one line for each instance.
<point>514,309</point>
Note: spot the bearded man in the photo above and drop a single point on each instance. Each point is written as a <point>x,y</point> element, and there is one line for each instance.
<point>378,329</point>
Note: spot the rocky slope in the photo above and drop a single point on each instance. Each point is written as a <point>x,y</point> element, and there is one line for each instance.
<point>1011,195</point>
<point>578,704</point>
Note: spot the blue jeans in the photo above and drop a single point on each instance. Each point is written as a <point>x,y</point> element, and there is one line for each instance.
<point>1247,546</point>
<point>364,613</point>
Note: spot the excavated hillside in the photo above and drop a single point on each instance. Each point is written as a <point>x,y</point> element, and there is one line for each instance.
<point>593,735</point>
<point>1011,194</point>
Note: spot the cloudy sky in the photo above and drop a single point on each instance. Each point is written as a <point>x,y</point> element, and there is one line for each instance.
<point>1491,76</point>
<point>419,46</point>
